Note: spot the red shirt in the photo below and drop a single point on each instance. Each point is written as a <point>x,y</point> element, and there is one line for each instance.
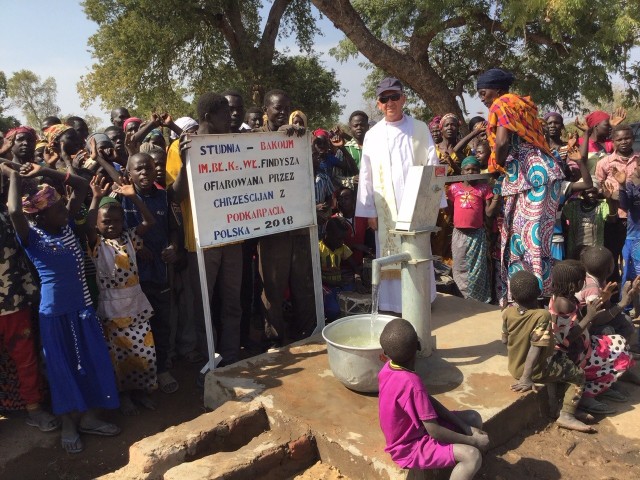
<point>355,235</point>
<point>468,204</point>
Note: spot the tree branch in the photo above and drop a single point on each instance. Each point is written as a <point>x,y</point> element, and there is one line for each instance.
<point>267,45</point>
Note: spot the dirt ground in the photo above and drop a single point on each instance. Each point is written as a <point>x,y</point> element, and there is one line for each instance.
<point>541,452</point>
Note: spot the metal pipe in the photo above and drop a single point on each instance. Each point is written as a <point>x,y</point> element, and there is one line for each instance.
<point>378,263</point>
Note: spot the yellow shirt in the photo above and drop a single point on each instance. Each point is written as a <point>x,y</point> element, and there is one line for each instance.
<point>174,164</point>
<point>331,260</point>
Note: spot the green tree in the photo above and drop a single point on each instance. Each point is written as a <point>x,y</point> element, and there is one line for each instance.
<point>6,123</point>
<point>558,49</point>
<point>160,54</point>
<point>35,97</point>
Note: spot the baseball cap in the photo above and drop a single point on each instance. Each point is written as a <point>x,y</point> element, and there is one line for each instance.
<point>388,84</point>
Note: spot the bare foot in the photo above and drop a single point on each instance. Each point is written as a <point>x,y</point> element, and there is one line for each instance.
<point>570,422</point>
<point>127,407</point>
<point>585,417</point>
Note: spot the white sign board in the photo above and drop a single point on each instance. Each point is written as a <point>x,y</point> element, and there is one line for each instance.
<point>249,185</point>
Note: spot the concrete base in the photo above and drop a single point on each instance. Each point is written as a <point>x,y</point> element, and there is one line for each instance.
<point>467,371</point>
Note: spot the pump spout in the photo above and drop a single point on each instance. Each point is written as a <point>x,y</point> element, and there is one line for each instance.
<point>378,263</point>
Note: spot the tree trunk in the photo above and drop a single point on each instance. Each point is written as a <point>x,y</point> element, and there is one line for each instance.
<point>416,73</point>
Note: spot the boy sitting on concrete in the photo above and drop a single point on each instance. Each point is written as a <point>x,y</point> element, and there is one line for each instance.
<point>420,432</point>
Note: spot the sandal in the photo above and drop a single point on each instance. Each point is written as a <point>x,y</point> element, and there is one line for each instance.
<point>591,405</point>
<point>43,420</point>
<point>72,444</point>
<point>104,430</point>
<point>614,396</point>
<point>194,356</point>
<point>167,383</point>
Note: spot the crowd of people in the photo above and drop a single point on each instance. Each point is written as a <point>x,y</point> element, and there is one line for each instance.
<point>100,279</point>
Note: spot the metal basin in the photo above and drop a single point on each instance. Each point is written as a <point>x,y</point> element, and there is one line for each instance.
<point>354,359</point>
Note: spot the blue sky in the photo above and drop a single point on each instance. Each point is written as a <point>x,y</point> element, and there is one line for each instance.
<point>66,58</point>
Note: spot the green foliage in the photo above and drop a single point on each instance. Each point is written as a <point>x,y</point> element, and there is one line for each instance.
<point>561,51</point>
<point>36,98</point>
<point>6,123</point>
<point>160,55</point>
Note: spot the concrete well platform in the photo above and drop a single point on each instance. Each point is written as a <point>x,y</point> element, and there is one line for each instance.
<point>296,386</point>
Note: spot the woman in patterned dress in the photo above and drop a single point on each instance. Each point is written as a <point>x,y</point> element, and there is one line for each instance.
<point>529,183</point>
<point>123,307</point>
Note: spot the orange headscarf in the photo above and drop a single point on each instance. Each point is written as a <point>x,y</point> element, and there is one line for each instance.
<point>519,115</point>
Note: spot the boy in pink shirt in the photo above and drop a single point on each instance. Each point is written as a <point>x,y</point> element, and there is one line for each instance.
<point>419,431</point>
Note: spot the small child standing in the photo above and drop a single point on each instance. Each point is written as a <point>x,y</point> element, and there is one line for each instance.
<point>531,352</point>
<point>419,431</point>
<point>123,307</point>
<point>78,368</point>
<point>471,201</point>
<point>583,221</point>
<point>333,253</point>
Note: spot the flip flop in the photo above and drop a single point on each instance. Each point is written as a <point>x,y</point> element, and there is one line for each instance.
<point>597,408</point>
<point>167,383</point>
<point>72,444</point>
<point>103,430</point>
<point>44,421</point>
<point>614,396</point>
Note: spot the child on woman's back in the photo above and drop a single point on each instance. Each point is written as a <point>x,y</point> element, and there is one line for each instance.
<point>531,352</point>
<point>123,307</point>
<point>471,201</point>
<point>419,431</point>
<point>78,367</point>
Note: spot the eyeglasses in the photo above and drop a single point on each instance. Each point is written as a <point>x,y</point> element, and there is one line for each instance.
<point>394,97</point>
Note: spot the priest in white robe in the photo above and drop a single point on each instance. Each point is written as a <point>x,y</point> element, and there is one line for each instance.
<point>390,148</point>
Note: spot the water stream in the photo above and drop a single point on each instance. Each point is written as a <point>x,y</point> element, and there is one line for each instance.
<point>374,309</point>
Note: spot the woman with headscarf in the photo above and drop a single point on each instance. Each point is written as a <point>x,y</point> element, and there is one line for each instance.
<point>600,144</point>
<point>434,128</point>
<point>530,180</point>
<point>298,118</point>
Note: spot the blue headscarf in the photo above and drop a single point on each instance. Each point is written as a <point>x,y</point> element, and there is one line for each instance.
<point>496,79</point>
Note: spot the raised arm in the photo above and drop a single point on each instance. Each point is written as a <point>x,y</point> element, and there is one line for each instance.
<point>148,220</point>
<point>180,186</point>
<point>477,130</point>
<point>100,188</point>
<point>14,203</point>
<point>79,186</point>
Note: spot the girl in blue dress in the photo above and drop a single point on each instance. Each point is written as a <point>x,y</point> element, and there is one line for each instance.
<point>80,374</point>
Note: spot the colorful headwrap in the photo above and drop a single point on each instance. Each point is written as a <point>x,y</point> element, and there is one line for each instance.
<point>435,122</point>
<point>298,113</point>
<point>54,132</point>
<point>496,79</point>
<point>446,117</point>
<point>41,144</point>
<point>594,118</point>
<point>156,132</point>
<point>470,160</point>
<point>551,114</point>
<point>185,123</point>
<point>21,129</point>
<point>129,120</point>
<point>321,132</point>
<point>45,197</point>
<point>518,115</point>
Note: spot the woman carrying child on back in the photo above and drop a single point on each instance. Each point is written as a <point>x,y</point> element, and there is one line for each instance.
<point>123,307</point>
<point>419,431</point>
<point>471,201</point>
<point>603,358</point>
<point>77,360</point>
